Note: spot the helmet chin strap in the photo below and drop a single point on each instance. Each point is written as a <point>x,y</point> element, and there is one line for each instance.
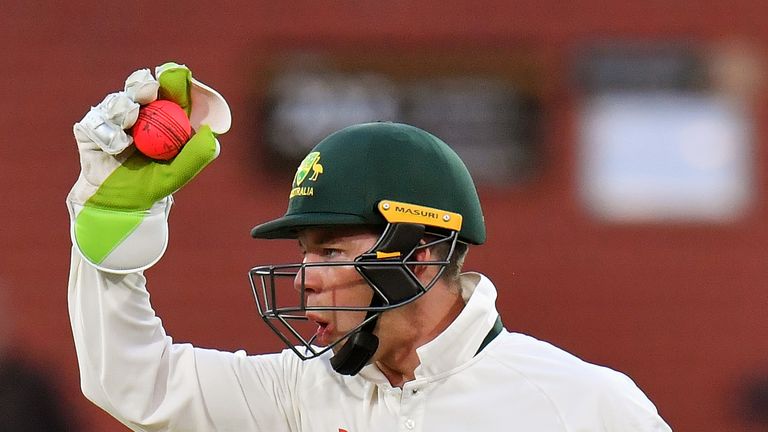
<point>359,347</point>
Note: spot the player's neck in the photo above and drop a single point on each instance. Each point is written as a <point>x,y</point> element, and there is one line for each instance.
<point>426,319</point>
<point>396,378</point>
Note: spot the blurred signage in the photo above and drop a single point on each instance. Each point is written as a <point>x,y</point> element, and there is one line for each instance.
<point>482,113</point>
<point>641,67</point>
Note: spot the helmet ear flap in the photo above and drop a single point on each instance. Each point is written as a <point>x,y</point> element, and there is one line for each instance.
<point>400,237</point>
<point>395,283</point>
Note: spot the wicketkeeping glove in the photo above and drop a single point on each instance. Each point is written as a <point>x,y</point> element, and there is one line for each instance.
<point>120,203</point>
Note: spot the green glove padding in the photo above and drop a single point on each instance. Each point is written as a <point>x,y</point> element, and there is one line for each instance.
<point>121,202</point>
<point>170,77</point>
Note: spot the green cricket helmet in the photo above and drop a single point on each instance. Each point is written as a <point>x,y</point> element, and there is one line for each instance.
<point>343,179</point>
<point>389,175</point>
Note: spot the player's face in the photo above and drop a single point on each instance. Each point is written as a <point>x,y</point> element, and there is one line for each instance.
<point>335,286</point>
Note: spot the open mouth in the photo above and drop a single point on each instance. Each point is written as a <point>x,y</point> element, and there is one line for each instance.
<point>323,333</point>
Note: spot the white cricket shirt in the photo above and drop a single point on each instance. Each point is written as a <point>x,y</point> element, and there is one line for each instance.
<point>134,371</point>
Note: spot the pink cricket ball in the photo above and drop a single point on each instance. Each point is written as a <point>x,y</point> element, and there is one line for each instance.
<point>161,130</point>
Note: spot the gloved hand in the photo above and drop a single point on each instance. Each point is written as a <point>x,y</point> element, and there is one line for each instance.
<point>120,203</point>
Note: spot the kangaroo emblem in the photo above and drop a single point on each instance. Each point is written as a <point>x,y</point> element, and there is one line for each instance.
<point>317,169</point>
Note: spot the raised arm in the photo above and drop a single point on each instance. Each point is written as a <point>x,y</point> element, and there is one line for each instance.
<point>118,209</point>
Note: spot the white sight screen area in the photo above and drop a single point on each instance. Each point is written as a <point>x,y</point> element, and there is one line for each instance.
<point>667,156</point>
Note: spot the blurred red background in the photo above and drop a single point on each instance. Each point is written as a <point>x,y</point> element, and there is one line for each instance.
<point>678,307</point>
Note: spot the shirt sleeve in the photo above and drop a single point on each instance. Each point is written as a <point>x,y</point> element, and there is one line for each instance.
<point>130,368</point>
<point>625,408</point>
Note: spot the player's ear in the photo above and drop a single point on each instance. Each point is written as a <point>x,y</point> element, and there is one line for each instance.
<point>423,254</point>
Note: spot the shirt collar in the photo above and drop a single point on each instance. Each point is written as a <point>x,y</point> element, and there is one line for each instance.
<point>460,341</point>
